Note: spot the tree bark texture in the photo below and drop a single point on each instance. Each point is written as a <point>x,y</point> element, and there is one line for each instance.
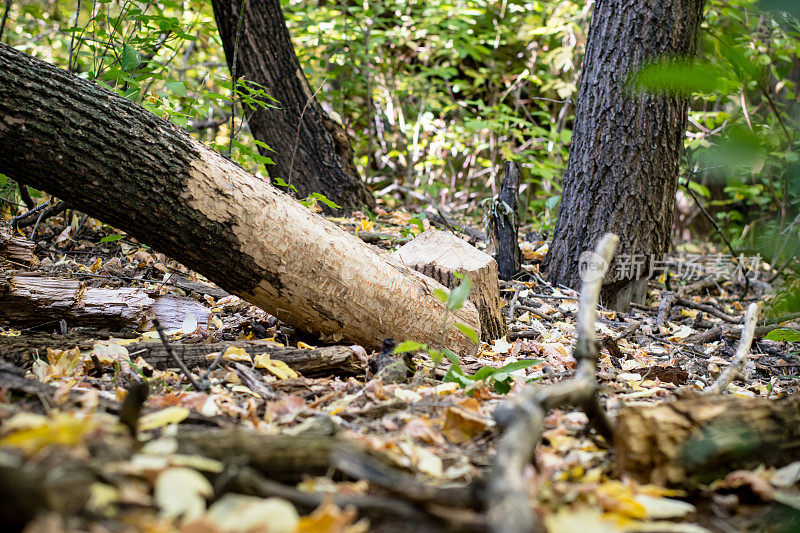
<point>110,158</point>
<point>312,151</point>
<point>622,171</point>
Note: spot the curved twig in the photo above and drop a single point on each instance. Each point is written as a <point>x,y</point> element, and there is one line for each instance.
<point>507,502</point>
<point>742,351</point>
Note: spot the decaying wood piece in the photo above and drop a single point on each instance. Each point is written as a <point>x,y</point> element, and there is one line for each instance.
<point>322,360</point>
<point>281,457</point>
<point>439,254</point>
<point>31,299</point>
<point>502,224</point>
<point>667,300</point>
<point>58,133</point>
<point>15,250</point>
<point>742,351</point>
<point>21,351</point>
<point>522,419</point>
<point>704,438</point>
<point>377,509</point>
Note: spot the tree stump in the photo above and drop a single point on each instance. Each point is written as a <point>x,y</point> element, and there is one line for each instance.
<point>439,254</point>
<point>502,224</point>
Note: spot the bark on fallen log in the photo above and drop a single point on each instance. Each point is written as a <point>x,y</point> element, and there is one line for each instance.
<point>704,438</point>
<point>29,299</point>
<point>112,159</point>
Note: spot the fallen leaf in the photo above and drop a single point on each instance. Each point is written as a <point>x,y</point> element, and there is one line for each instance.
<point>329,518</point>
<point>181,493</point>
<point>278,368</point>
<point>164,417</point>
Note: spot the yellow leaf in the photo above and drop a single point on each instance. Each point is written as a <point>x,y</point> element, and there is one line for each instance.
<point>61,429</point>
<point>234,353</point>
<point>96,265</point>
<point>63,363</point>
<point>278,368</point>
<point>304,346</point>
<point>329,517</point>
<point>615,496</point>
<point>166,416</point>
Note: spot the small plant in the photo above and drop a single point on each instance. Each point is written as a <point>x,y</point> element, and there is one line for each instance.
<point>500,378</point>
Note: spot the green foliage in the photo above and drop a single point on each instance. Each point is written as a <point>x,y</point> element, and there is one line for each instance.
<point>789,335</point>
<point>437,94</point>
<point>499,378</point>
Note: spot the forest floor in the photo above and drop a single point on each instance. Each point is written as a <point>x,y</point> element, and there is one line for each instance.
<point>273,414</point>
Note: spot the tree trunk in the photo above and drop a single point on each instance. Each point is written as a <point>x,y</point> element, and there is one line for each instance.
<point>622,171</point>
<point>110,158</point>
<point>314,158</point>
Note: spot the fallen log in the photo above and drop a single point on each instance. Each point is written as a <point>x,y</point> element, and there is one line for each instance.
<point>704,438</point>
<point>29,299</point>
<point>112,159</point>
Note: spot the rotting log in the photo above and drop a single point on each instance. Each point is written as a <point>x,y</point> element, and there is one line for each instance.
<point>322,360</point>
<point>30,299</point>
<point>21,351</point>
<point>704,438</point>
<point>16,250</point>
<point>112,159</point>
<point>439,255</point>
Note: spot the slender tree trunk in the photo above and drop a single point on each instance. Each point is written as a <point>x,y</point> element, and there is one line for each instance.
<point>311,150</point>
<point>622,171</point>
<point>112,159</point>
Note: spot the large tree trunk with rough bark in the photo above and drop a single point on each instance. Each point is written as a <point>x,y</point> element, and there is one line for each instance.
<point>112,159</point>
<point>622,171</point>
<point>312,151</point>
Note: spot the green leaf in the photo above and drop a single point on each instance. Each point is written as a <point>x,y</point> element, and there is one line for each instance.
<point>441,295</point>
<point>111,238</point>
<point>683,78</point>
<point>451,356</point>
<point>459,295</point>
<point>177,87</point>
<point>519,365</point>
<point>129,57</point>
<point>502,387</point>
<point>484,373</point>
<point>702,190</point>
<point>409,346</point>
<point>324,199</point>
<point>783,334</point>
<point>469,332</point>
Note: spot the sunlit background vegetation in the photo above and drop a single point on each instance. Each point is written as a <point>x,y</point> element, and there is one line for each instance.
<point>437,94</point>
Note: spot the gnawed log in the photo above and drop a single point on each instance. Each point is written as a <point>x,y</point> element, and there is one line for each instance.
<point>29,299</point>
<point>439,254</point>
<point>79,141</point>
<point>705,438</point>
